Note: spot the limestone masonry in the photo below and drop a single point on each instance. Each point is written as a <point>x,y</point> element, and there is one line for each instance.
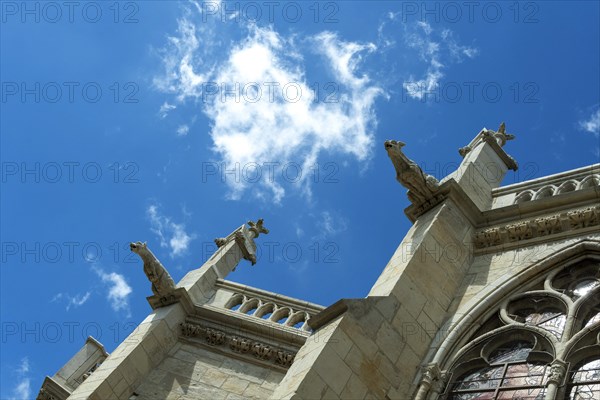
<point>494,293</point>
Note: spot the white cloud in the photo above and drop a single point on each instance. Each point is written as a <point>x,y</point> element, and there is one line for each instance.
<point>267,123</point>
<point>72,301</point>
<point>118,289</point>
<point>328,225</point>
<point>592,124</point>
<point>433,51</point>
<point>22,389</point>
<point>332,225</point>
<point>183,130</point>
<point>165,109</point>
<point>172,235</point>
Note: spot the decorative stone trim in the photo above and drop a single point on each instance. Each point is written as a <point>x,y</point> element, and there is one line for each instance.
<point>51,390</point>
<point>432,379</point>
<point>44,395</point>
<point>262,307</point>
<point>239,344</point>
<point>431,373</point>
<point>558,370</point>
<point>568,185</point>
<point>538,227</point>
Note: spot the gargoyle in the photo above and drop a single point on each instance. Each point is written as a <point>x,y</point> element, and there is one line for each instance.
<point>500,136</point>
<point>421,187</point>
<point>162,283</point>
<point>257,227</point>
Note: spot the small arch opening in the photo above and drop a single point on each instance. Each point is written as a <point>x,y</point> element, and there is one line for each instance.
<point>523,197</point>
<point>590,182</point>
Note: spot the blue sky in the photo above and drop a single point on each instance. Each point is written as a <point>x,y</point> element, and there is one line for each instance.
<point>174,123</point>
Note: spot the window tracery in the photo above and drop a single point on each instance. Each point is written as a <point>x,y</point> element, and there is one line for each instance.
<point>542,343</point>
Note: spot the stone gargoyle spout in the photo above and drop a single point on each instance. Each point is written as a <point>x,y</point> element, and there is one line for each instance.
<point>162,283</point>
<point>421,187</point>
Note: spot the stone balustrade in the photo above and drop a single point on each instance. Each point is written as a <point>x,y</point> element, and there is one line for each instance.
<point>267,306</point>
<point>566,182</point>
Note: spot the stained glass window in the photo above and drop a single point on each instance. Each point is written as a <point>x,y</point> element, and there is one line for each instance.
<point>513,370</point>
<point>509,376</point>
<point>584,286</point>
<point>595,319</point>
<point>586,381</point>
<point>551,319</point>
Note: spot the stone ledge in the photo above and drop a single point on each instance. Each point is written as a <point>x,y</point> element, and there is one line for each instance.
<point>233,344</point>
<point>179,295</point>
<point>52,390</point>
<point>536,230</point>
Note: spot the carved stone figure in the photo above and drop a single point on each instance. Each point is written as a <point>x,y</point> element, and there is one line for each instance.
<point>257,227</point>
<point>421,187</point>
<point>557,373</point>
<point>162,283</point>
<point>500,136</point>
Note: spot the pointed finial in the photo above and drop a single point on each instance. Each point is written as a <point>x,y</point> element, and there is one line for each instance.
<point>257,227</point>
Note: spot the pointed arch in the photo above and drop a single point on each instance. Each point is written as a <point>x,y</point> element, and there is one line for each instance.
<point>541,302</point>
<point>482,306</point>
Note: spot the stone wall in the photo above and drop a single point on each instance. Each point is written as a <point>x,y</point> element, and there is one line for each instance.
<point>191,372</point>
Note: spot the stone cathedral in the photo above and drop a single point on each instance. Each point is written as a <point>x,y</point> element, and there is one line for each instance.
<point>494,293</point>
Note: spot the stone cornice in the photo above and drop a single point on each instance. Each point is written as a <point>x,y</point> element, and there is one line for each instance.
<point>52,390</point>
<point>450,189</point>
<point>351,306</point>
<point>330,313</point>
<point>540,207</point>
<point>179,295</point>
<point>545,228</point>
<point>91,339</point>
<point>537,208</point>
<point>245,347</point>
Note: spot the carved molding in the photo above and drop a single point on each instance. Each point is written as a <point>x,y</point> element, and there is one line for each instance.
<point>45,395</point>
<point>567,185</point>
<point>538,227</point>
<point>239,344</point>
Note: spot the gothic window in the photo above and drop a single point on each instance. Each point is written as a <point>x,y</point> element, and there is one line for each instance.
<point>585,381</point>
<point>509,373</point>
<point>542,342</point>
